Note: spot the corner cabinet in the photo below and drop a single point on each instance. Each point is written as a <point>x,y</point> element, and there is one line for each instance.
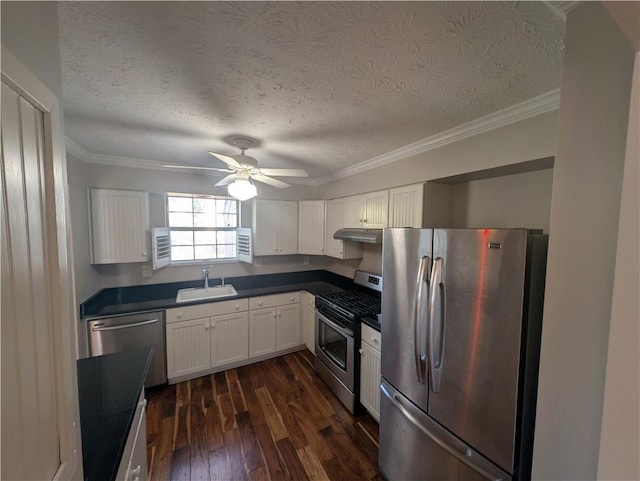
<point>335,221</point>
<point>370,370</point>
<point>369,211</point>
<point>275,227</point>
<point>274,324</point>
<point>119,226</point>
<point>311,222</point>
<point>405,206</point>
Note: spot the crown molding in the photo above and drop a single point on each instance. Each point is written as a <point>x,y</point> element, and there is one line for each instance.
<point>561,8</point>
<point>524,110</point>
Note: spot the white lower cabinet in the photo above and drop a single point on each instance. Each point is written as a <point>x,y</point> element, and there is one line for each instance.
<point>274,323</point>
<point>206,338</point>
<point>229,338</point>
<point>133,465</point>
<point>288,327</point>
<point>262,332</point>
<point>188,347</point>
<point>370,370</point>
<point>308,321</point>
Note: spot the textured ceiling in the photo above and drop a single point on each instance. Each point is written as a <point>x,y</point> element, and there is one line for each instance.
<point>321,85</point>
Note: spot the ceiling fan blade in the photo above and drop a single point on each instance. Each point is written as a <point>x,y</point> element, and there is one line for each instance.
<point>226,181</point>
<point>227,160</point>
<point>270,181</point>
<point>195,167</point>
<point>285,172</point>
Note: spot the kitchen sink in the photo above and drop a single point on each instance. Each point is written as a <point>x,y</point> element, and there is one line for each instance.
<point>200,293</point>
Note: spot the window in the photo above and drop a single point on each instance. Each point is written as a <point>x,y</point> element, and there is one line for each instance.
<point>203,227</point>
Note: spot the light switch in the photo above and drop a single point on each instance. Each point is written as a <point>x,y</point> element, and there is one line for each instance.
<point>146,270</point>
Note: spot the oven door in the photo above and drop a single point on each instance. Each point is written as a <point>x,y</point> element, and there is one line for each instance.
<point>335,348</point>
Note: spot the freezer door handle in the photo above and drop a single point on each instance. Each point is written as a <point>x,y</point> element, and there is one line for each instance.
<point>436,324</point>
<point>95,328</point>
<point>463,455</point>
<point>420,312</point>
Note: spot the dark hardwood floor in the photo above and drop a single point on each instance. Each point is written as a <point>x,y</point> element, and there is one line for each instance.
<point>273,420</point>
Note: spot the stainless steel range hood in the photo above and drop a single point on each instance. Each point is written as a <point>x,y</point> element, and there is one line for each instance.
<point>368,236</point>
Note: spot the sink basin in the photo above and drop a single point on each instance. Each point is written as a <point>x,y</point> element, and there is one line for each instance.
<point>200,293</point>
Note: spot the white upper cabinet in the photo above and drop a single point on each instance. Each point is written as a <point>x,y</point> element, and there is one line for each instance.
<point>405,206</point>
<point>334,221</point>
<point>275,227</point>
<point>311,227</point>
<point>369,211</point>
<point>119,226</point>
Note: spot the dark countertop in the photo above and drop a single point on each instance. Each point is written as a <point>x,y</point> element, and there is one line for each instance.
<point>124,300</point>
<point>109,387</point>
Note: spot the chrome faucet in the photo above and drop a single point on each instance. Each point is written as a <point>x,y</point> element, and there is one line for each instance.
<point>205,276</point>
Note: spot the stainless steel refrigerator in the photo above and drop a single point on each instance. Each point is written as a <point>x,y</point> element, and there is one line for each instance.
<point>461,322</point>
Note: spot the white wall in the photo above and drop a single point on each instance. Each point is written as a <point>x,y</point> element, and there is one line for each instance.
<point>30,31</point>
<point>529,139</point>
<point>585,206</point>
<point>620,439</point>
<point>518,200</point>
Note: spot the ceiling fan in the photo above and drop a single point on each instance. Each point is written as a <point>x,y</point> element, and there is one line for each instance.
<point>243,168</point>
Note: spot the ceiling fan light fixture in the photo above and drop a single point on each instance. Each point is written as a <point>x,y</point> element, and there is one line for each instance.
<point>242,189</point>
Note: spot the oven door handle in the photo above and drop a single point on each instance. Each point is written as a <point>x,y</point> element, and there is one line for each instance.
<point>333,325</point>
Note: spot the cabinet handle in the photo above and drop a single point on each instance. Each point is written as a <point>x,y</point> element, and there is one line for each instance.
<point>291,299</point>
<point>144,254</point>
<point>237,307</point>
<point>274,314</point>
<point>213,324</point>
<point>374,340</point>
<point>361,352</point>
<point>259,303</point>
<point>340,252</point>
<point>136,472</point>
<point>179,315</point>
<point>206,328</point>
<point>280,249</point>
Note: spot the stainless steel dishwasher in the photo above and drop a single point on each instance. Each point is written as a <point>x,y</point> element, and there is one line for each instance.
<point>130,331</point>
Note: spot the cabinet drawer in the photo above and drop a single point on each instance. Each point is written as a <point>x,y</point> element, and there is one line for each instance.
<point>206,310</point>
<point>274,300</point>
<point>371,336</point>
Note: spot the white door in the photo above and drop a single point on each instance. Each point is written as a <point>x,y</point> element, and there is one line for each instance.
<point>308,321</point>
<point>39,409</point>
<point>333,247</point>
<point>311,227</point>
<point>267,224</point>
<point>352,214</point>
<point>188,347</point>
<point>288,327</point>
<point>229,338</point>
<point>288,232</point>
<point>262,332</point>
<point>405,206</point>
<point>370,379</point>
<point>375,207</point>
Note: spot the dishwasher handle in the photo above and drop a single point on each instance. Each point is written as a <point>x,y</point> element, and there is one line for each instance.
<point>124,326</point>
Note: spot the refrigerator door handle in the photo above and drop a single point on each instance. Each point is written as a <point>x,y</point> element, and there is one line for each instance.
<point>419,313</point>
<point>436,324</point>
<point>461,455</point>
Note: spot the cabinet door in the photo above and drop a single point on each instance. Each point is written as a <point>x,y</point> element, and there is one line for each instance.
<point>119,226</point>
<point>352,212</point>
<point>376,209</point>
<point>333,247</point>
<point>308,321</point>
<point>288,228</point>
<point>229,338</point>
<point>370,379</point>
<point>266,223</point>
<point>188,347</point>
<point>288,327</point>
<point>405,206</point>
<point>311,227</point>
<point>262,332</point>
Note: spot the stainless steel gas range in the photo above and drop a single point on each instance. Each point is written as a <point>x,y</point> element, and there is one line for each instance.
<point>338,317</point>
